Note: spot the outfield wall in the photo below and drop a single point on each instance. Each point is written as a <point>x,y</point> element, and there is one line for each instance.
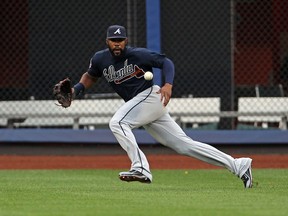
<point>105,136</point>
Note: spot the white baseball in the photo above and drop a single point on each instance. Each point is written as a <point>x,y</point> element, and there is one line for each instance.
<point>148,75</point>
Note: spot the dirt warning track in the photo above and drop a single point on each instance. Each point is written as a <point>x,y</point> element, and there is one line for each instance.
<point>164,161</point>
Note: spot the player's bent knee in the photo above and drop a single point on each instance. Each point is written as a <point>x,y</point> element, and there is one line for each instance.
<point>113,124</point>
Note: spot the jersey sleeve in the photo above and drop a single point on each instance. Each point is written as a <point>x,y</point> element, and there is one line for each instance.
<point>158,60</point>
<point>152,58</point>
<point>93,69</point>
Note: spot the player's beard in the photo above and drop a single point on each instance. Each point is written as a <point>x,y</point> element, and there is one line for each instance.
<point>117,52</point>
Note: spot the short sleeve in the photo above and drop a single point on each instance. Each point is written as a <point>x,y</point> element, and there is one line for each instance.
<point>93,68</point>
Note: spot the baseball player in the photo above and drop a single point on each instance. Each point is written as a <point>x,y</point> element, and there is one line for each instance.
<point>146,105</point>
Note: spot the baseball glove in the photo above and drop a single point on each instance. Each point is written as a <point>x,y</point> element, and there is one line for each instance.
<point>63,93</point>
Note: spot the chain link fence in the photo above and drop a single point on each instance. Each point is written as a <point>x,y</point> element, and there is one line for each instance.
<point>226,49</point>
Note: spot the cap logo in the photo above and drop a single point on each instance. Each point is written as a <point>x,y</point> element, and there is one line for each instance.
<point>117,32</point>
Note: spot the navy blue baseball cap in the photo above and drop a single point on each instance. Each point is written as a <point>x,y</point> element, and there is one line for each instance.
<point>116,31</point>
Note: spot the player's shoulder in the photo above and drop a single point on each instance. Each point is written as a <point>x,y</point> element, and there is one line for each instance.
<point>101,53</point>
<point>138,51</point>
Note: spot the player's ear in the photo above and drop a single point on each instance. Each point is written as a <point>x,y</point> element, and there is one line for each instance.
<point>126,41</point>
<point>107,41</point>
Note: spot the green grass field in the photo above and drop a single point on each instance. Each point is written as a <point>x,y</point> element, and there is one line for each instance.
<point>173,192</point>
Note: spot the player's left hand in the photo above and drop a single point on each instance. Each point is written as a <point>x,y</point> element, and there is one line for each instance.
<point>166,92</point>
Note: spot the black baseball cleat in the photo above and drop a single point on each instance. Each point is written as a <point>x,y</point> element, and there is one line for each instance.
<point>134,175</point>
<point>247,177</point>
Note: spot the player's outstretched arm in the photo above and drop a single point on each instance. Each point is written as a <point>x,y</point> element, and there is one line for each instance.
<point>85,82</point>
